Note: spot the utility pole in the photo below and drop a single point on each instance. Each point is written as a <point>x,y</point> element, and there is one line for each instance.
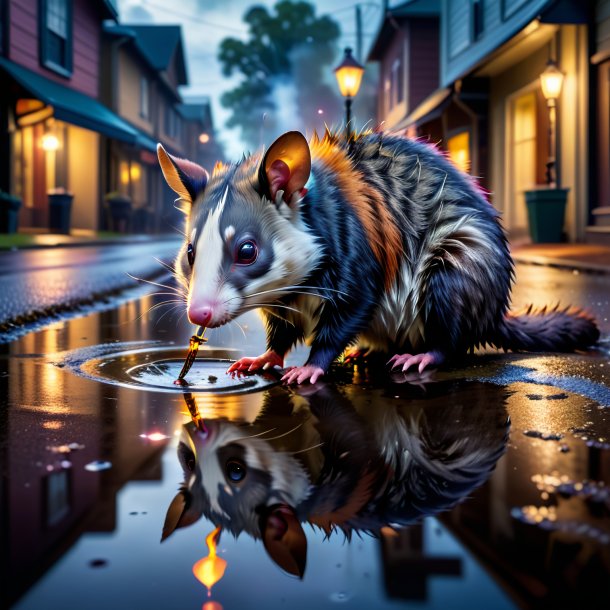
<point>359,33</point>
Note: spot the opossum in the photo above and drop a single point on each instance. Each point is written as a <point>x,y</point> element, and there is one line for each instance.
<point>328,459</point>
<point>378,242</point>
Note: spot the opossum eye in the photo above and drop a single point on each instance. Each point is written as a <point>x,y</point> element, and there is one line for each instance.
<point>247,253</point>
<point>236,470</point>
<point>190,254</point>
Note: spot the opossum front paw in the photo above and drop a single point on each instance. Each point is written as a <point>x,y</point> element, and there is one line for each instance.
<point>423,360</point>
<point>299,374</point>
<point>264,361</point>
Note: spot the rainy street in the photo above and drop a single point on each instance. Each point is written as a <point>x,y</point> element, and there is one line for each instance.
<point>484,484</point>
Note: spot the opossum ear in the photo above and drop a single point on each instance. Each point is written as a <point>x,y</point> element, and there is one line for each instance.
<point>286,167</point>
<point>184,177</point>
<point>180,513</point>
<point>284,538</point>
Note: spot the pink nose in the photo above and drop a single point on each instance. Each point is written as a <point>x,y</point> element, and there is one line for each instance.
<point>200,315</point>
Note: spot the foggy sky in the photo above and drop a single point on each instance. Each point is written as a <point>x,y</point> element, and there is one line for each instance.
<point>205,23</point>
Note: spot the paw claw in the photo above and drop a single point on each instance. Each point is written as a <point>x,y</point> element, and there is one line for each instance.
<point>299,374</point>
<point>422,361</point>
<point>249,365</point>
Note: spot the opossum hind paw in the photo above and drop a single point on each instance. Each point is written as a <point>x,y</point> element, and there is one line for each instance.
<point>423,361</point>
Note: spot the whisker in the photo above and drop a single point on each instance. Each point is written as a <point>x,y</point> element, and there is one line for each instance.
<point>243,438</point>
<point>141,279</point>
<point>243,332</point>
<point>273,438</point>
<point>308,449</point>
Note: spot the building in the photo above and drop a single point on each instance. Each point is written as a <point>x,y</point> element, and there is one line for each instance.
<point>52,120</point>
<point>489,112</point>
<point>83,102</point>
<point>142,69</point>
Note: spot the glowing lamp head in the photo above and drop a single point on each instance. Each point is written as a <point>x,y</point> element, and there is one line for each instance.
<point>204,138</point>
<point>50,142</point>
<point>349,75</point>
<point>551,81</point>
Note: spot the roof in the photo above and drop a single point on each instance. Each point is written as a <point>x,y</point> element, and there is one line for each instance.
<point>110,9</point>
<point>196,111</point>
<point>159,44</point>
<point>75,107</point>
<point>429,109</point>
<point>413,9</point>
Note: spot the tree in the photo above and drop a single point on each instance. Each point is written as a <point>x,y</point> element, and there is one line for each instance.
<point>291,47</point>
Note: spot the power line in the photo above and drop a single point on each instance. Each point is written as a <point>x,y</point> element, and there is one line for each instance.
<point>194,17</point>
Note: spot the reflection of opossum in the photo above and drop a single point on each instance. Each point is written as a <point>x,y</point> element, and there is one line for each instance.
<point>382,242</point>
<point>338,464</point>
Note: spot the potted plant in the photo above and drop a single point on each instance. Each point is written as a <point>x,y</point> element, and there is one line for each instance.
<point>9,212</point>
<point>60,208</point>
<point>546,207</point>
<point>119,211</point>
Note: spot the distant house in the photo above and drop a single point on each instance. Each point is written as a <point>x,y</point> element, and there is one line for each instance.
<point>52,121</point>
<point>489,113</point>
<point>200,139</point>
<point>407,49</point>
<point>144,66</point>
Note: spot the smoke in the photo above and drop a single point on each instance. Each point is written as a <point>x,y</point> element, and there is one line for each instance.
<point>309,99</point>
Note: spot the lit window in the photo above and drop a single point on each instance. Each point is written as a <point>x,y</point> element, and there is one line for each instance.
<point>458,147</point>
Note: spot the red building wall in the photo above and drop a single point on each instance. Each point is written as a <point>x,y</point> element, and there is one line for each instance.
<point>24,41</point>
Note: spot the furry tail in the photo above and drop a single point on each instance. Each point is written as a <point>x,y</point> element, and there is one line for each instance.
<point>548,330</point>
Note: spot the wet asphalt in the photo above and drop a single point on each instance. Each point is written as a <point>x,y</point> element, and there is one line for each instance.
<point>493,472</point>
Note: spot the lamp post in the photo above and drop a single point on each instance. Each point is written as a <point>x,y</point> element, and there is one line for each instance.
<point>551,81</point>
<point>349,76</point>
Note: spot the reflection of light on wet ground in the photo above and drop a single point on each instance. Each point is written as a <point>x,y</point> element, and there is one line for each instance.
<point>209,570</point>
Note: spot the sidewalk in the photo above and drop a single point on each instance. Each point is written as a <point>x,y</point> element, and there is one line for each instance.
<point>77,238</point>
<point>584,257</point>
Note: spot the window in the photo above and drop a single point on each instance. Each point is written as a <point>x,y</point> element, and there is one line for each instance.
<point>396,87</point>
<point>55,19</point>
<point>458,147</point>
<point>172,123</point>
<point>3,29</point>
<point>144,98</point>
<point>477,19</point>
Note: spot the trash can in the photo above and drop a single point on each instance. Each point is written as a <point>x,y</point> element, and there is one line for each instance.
<point>9,212</point>
<point>60,207</point>
<point>119,213</point>
<point>546,213</point>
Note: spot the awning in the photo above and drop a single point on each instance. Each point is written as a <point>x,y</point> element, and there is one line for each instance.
<point>431,108</point>
<point>75,107</point>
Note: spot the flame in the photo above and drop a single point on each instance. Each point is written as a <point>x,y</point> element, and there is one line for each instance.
<point>210,569</point>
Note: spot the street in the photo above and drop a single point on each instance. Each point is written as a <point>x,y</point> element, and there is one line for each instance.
<point>503,490</point>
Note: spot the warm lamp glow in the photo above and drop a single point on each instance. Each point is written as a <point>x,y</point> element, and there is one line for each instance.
<point>135,172</point>
<point>50,142</point>
<point>349,75</point>
<point>210,569</point>
<point>204,138</point>
<point>551,81</point>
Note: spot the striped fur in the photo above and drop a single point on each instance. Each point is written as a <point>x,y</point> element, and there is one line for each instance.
<point>388,246</point>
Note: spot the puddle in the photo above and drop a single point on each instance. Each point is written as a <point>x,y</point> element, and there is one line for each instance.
<point>157,367</point>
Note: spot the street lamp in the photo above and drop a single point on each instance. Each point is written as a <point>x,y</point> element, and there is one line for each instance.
<point>551,81</point>
<point>349,76</point>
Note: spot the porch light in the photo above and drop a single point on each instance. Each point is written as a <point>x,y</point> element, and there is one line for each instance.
<point>204,138</point>
<point>50,142</point>
<point>551,81</point>
<point>349,76</point>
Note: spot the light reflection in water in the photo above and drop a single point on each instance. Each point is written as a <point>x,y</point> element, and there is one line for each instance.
<point>209,570</point>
